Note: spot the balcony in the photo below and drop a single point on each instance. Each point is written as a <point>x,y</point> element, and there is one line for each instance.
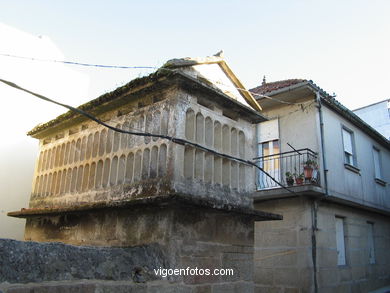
<point>297,170</point>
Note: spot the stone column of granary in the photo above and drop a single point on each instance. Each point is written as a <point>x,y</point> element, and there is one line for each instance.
<point>95,186</point>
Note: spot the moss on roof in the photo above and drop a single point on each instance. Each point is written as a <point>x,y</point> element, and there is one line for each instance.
<point>103,99</point>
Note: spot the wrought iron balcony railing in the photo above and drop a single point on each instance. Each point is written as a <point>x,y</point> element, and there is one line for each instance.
<point>294,168</point>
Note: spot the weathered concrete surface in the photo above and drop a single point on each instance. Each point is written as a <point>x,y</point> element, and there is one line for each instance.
<point>22,262</point>
<point>148,222</point>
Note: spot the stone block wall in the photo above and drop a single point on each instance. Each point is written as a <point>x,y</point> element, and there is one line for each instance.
<point>284,256</point>
<point>358,275</point>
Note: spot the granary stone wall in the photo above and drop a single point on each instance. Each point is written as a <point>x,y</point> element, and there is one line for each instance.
<point>203,172</point>
<point>82,163</point>
<point>89,163</point>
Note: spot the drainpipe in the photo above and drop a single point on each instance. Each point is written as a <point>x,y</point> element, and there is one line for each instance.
<point>314,204</point>
<point>318,98</point>
<point>314,228</point>
<point>257,181</point>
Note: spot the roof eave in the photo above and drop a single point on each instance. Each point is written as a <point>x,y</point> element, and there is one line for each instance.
<point>240,87</point>
<point>284,89</point>
<point>336,106</point>
<point>143,83</point>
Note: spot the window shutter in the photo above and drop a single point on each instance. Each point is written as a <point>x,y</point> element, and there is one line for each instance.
<point>347,140</point>
<point>268,130</point>
<point>377,164</point>
<point>340,241</point>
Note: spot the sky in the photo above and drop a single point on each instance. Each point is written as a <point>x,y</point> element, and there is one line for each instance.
<point>343,46</point>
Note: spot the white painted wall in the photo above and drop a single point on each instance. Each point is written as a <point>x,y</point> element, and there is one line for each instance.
<point>301,129</point>
<point>296,126</point>
<point>359,187</point>
<point>378,116</point>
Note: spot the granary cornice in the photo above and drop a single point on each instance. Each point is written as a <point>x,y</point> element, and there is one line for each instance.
<point>156,81</point>
<point>156,201</point>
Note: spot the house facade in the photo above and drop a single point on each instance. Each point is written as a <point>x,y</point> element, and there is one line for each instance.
<point>335,232</point>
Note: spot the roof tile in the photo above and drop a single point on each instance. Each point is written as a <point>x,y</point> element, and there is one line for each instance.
<point>272,86</point>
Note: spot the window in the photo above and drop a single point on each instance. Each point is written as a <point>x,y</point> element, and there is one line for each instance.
<point>377,163</point>
<point>269,146</point>
<point>349,148</point>
<point>371,250</point>
<point>340,242</point>
<point>270,150</point>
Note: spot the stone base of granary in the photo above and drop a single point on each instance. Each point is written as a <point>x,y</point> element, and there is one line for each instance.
<point>197,236</point>
<point>32,267</point>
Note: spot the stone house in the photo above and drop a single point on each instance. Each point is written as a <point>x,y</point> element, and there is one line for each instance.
<point>335,233</point>
<point>99,187</point>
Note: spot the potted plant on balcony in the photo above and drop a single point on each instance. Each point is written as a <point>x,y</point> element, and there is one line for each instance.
<point>289,179</point>
<point>308,168</point>
<point>299,178</point>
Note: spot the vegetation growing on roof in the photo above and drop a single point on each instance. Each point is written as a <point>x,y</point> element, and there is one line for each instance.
<point>104,98</point>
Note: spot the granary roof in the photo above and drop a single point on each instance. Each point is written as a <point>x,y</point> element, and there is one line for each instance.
<point>216,59</point>
<point>107,97</point>
<point>164,74</point>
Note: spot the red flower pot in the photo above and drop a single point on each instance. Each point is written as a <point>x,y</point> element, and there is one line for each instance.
<point>308,171</point>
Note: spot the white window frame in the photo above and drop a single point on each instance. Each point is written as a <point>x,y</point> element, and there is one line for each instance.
<point>377,163</point>
<point>274,171</point>
<point>349,147</point>
<point>340,241</point>
<point>267,133</point>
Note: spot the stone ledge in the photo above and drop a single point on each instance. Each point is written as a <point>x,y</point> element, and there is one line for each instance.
<point>156,201</point>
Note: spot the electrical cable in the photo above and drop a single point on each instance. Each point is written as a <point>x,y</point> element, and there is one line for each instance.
<point>171,138</point>
<point>137,67</point>
<point>304,106</point>
<point>78,63</point>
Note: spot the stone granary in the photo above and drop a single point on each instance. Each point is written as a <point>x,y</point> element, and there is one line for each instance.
<point>94,186</point>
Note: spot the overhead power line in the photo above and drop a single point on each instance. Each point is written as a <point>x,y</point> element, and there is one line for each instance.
<point>137,67</point>
<point>78,63</point>
<point>171,138</point>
